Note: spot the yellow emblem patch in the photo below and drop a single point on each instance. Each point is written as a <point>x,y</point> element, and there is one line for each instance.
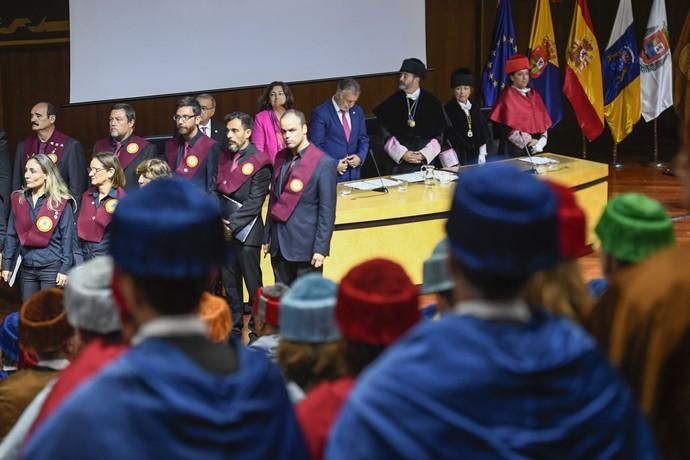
<point>192,161</point>
<point>44,224</point>
<point>110,206</point>
<point>132,148</point>
<point>53,157</point>
<point>296,185</point>
<point>247,169</point>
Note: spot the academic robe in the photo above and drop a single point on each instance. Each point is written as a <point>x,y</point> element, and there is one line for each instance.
<point>17,391</point>
<point>466,148</point>
<point>318,411</point>
<point>643,322</point>
<point>155,402</point>
<point>463,387</point>
<point>91,359</point>
<point>428,127</point>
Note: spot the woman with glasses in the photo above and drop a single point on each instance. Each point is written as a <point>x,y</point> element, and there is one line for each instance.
<point>40,232</point>
<point>98,204</point>
<point>266,134</point>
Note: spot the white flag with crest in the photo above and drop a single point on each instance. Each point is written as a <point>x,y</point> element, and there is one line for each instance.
<point>656,72</point>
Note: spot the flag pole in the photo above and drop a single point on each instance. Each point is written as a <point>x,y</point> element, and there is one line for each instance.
<point>657,163</point>
<point>616,163</point>
<point>584,147</point>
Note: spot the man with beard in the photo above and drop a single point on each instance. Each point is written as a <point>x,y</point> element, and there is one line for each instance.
<point>301,208</point>
<point>65,152</point>
<point>412,121</point>
<point>190,154</point>
<point>244,174</point>
<point>131,150</point>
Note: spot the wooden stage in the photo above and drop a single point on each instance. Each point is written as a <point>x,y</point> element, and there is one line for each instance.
<point>405,226</point>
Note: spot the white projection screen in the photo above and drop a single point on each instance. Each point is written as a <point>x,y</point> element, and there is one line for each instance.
<point>135,48</point>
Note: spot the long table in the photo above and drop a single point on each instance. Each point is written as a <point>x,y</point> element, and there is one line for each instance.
<point>405,226</point>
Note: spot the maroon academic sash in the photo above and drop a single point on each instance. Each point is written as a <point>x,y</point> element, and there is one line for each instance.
<point>230,181</point>
<point>54,149</point>
<point>93,220</point>
<point>34,234</point>
<point>189,165</point>
<point>295,181</point>
<point>128,151</point>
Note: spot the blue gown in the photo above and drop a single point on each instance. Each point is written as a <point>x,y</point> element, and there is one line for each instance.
<point>463,387</point>
<point>154,402</point>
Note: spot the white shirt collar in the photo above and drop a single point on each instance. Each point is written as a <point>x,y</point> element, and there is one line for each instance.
<point>337,109</point>
<point>466,106</point>
<point>414,96</point>
<point>55,364</point>
<point>523,90</point>
<point>515,310</point>
<point>170,326</point>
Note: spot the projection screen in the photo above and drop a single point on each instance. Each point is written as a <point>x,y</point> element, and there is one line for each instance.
<point>137,48</point>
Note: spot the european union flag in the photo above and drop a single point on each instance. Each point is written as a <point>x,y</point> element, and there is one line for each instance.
<point>494,78</point>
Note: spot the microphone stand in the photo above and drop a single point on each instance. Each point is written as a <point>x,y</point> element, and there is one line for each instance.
<point>534,169</point>
<point>383,187</point>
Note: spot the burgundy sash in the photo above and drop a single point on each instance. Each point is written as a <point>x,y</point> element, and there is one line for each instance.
<point>93,220</point>
<point>34,234</point>
<point>128,152</point>
<point>228,182</point>
<point>295,181</point>
<point>54,149</point>
<point>200,150</point>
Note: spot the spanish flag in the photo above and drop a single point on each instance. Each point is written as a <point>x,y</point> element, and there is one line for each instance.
<point>621,74</point>
<point>681,76</point>
<point>582,85</point>
<point>543,60</point>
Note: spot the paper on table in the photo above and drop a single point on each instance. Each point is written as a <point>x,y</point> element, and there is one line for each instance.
<point>539,160</point>
<point>371,184</point>
<point>416,176</point>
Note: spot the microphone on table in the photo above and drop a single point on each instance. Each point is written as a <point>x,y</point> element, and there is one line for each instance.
<point>383,187</point>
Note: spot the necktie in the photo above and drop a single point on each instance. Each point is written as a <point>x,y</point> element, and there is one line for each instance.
<point>42,147</point>
<point>187,149</point>
<point>284,171</point>
<point>346,125</point>
<point>203,130</point>
<point>235,162</point>
<point>118,146</point>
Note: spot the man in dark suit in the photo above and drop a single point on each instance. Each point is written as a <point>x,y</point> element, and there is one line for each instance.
<point>301,207</point>
<point>5,176</point>
<point>66,153</point>
<point>207,125</point>
<point>190,154</point>
<point>131,150</point>
<point>338,128</point>
<point>244,174</point>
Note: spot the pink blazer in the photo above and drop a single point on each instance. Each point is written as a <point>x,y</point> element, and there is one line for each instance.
<point>266,134</point>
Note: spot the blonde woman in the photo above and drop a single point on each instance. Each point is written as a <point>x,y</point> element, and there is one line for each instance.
<point>152,169</point>
<point>40,229</point>
<point>98,204</point>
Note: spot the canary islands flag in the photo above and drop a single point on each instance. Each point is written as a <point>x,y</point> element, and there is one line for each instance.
<point>621,72</point>
<point>543,59</point>
<point>494,77</point>
<point>582,84</point>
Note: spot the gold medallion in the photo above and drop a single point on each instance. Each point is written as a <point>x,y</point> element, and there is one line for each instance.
<point>53,157</point>
<point>192,161</point>
<point>296,185</point>
<point>44,224</point>
<point>247,169</point>
<point>411,123</point>
<point>110,206</point>
<point>132,148</point>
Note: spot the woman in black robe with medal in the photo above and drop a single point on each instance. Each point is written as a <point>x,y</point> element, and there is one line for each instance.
<point>468,132</point>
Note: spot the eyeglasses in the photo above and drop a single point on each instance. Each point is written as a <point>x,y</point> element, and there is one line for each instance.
<point>94,170</point>
<point>184,118</point>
